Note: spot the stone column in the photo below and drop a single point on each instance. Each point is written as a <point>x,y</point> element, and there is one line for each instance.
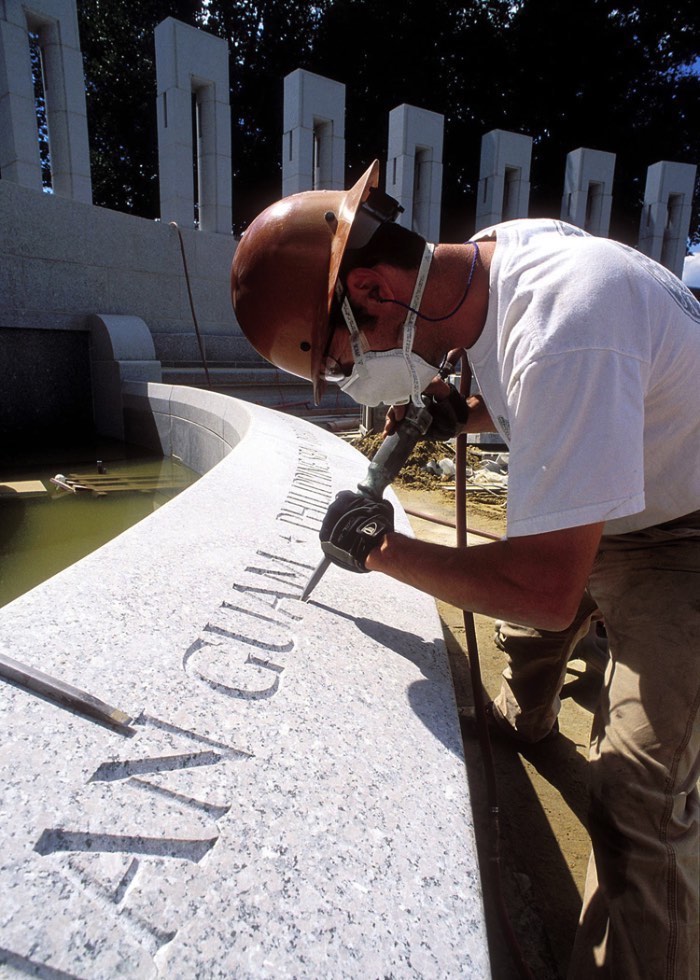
<point>193,65</point>
<point>313,153</point>
<point>665,220</point>
<point>504,181</point>
<point>414,171</point>
<point>56,24</point>
<point>587,198</point>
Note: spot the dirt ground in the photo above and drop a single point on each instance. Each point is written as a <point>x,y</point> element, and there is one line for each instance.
<point>542,790</point>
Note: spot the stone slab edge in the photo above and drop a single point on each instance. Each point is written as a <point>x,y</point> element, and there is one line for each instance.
<point>292,801</point>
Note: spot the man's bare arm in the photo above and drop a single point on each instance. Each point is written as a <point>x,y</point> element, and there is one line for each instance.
<point>479,419</point>
<point>537,580</point>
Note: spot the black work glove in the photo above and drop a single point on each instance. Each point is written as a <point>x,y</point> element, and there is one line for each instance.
<point>449,415</point>
<point>353,525</point>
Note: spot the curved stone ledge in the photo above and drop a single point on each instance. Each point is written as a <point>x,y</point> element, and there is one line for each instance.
<point>292,800</point>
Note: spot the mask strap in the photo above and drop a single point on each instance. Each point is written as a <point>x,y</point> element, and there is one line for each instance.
<point>351,323</point>
<point>409,325</point>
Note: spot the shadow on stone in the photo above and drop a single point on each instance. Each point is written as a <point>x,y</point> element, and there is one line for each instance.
<point>425,698</point>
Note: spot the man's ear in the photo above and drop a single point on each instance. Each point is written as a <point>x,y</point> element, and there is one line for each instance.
<point>368,288</point>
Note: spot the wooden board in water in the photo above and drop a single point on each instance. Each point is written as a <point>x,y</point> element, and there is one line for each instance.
<point>108,483</point>
<point>12,488</point>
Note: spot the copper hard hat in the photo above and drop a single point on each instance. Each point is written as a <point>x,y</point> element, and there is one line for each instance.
<point>284,274</point>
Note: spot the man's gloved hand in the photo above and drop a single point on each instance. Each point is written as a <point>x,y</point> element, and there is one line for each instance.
<point>353,525</point>
<point>449,415</point>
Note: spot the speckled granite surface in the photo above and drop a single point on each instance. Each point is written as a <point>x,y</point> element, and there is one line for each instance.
<point>292,801</point>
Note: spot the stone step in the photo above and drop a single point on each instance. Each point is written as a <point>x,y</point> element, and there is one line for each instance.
<point>246,374</point>
<point>264,386</point>
<point>178,348</point>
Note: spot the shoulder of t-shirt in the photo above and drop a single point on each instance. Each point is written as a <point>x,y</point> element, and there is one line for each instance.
<point>522,229</point>
<point>532,247</point>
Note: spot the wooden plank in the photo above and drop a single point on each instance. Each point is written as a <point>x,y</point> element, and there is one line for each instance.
<point>105,483</point>
<point>12,488</point>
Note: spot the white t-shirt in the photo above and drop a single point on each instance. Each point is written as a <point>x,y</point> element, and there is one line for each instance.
<point>589,364</point>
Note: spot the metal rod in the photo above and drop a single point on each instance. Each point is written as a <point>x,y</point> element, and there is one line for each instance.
<point>479,694</point>
<point>63,694</point>
<point>446,522</point>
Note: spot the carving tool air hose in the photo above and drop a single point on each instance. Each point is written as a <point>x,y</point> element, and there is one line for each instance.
<point>494,859</point>
<point>200,342</point>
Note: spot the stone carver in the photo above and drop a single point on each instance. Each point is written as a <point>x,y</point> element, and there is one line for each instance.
<point>587,359</point>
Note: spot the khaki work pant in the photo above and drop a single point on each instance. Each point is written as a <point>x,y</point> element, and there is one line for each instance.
<point>640,915</point>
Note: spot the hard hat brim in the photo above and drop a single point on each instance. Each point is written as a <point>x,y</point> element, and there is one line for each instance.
<point>350,205</point>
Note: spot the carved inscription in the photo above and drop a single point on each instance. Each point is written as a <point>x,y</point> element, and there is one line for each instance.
<point>87,856</point>
<point>311,491</point>
<point>241,652</point>
<point>111,899</point>
<point>31,967</point>
<point>52,841</point>
<point>149,822</point>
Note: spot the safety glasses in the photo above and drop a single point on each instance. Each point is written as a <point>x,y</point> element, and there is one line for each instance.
<point>378,209</point>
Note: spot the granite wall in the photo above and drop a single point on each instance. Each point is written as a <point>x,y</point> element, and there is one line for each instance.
<point>63,260</point>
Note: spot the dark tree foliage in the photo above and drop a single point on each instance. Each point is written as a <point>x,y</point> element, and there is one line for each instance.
<point>609,75</point>
<point>436,56</point>
<point>40,108</point>
<point>267,40</point>
<point>116,38</point>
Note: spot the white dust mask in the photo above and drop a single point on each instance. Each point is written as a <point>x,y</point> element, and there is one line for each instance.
<point>393,377</point>
<point>388,376</point>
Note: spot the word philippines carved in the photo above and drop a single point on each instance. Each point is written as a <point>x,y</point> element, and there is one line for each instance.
<point>311,488</point>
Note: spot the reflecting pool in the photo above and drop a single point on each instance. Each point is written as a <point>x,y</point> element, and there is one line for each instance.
<point>44,529</point>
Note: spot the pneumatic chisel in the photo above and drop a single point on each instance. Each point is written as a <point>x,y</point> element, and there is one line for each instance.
<point>384,468</point>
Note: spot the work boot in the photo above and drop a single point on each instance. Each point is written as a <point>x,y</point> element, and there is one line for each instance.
<point>501,729</point>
